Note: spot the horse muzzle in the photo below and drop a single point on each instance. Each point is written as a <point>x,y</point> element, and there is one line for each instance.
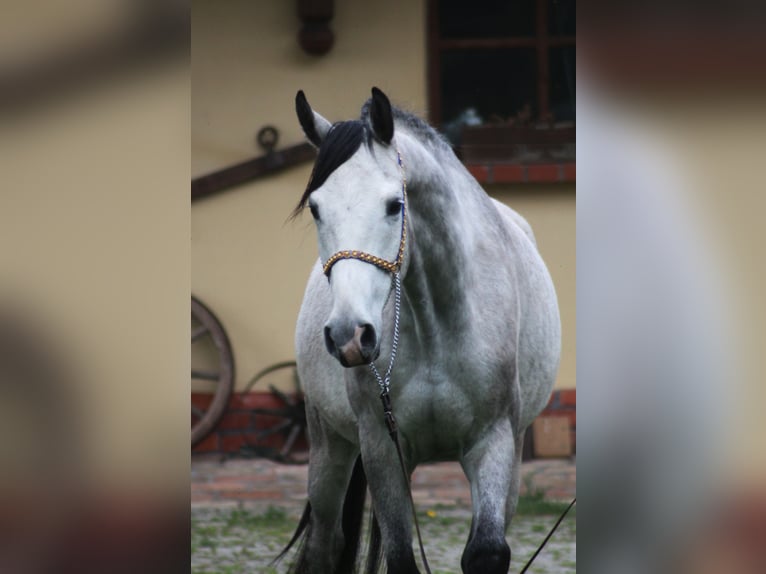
<point>352,346</point>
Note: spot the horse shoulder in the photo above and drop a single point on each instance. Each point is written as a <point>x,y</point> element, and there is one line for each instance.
<point>513,219</point>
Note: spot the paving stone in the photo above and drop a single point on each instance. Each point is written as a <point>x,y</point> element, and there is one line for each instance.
<point>441,483</point>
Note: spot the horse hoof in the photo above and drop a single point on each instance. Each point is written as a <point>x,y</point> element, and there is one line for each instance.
<point>493,559</point>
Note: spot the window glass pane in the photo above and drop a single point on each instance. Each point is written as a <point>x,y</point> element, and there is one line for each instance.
<point>498,83</point>
<point>561,17</point>
<point>486,18</point>
<point>562,89</point>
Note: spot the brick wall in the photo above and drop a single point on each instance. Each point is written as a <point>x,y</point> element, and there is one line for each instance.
<point>240,427</point>
<point>498,172</point>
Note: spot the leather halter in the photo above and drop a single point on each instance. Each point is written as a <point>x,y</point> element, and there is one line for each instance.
<point>389,266</point>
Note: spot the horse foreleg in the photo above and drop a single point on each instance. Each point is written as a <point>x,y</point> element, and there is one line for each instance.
<point>331,460</point>
<point>390,500</point>
<point>488,465</point>
<point>515,487</point>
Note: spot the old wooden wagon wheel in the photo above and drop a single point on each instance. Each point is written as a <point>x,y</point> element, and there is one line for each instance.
<point>287,421</point>
<point>212,369</point>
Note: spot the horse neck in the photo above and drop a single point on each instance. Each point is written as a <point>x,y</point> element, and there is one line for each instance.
<point>442,199</point>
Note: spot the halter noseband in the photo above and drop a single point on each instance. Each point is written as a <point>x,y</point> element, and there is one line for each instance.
<point>392,267</point>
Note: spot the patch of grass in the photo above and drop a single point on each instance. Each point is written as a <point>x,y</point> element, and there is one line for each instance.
<point>430,517</point>
<point>208,543</point>
<point>535,504</point>
<point>243,518</point>
<point>206,531</point>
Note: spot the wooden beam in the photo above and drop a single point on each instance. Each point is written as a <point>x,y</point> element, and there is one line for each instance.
<point>228,177</point>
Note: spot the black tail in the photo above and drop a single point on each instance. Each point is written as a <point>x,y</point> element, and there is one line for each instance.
<point>374,554</point>
<point>299,535</point>
<point>353,510</point>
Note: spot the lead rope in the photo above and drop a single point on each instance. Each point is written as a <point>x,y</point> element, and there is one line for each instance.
<point>384,383</point>
<point>555,526</point>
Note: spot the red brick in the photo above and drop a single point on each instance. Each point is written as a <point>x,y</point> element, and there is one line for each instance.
<point>274,441</point>
<point>240,481</point>
<point>480,172</point>
<point>568,397</point>
<point>553,403</point>
<point>570,172</point>
<point>219,486</point>
<point>201,400</point>
<point>209,444</point>
<point>257,400</point>
<point>254,494</point>
<point>504,173</point>
<point>545,173</point>
<point>231,442</point>
<point>204,494</point>
<point>235,420</point>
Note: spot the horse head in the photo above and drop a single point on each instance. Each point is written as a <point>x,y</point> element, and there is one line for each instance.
<point>357,196</point>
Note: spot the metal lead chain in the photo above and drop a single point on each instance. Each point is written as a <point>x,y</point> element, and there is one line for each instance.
<point>384,382</point>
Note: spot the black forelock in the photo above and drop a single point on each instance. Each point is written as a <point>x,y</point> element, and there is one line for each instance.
<point>341,142</point>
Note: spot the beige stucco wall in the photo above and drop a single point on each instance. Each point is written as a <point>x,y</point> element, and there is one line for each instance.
<point>550,210</point>
<point>247,67</point>
<point>248,263</point>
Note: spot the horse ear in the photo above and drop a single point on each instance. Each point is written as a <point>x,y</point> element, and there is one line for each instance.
<point>381,117</point>
<point>314,125</point>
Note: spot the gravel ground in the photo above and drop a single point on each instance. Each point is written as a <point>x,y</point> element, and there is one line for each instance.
<point>235,538</point>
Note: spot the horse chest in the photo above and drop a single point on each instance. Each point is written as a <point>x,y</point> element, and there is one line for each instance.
<point>437,415</point>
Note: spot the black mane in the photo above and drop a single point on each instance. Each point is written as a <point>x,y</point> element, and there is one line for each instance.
<point>345,138</point>
<point>414,124</point>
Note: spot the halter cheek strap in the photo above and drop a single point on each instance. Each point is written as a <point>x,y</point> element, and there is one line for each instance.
<point>392,267</point>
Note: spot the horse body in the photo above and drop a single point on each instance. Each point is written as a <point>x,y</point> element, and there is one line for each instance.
<point>476,362</point>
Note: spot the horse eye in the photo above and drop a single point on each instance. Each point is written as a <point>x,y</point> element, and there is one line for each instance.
<point>314,211</point>
<point>394,207</point>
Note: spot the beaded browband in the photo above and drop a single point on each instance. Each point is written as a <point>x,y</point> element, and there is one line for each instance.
<point>385,265</point>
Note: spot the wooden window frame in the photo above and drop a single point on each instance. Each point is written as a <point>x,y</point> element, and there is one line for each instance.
<point>543,41</point>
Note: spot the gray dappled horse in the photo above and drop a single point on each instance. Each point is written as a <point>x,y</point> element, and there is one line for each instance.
<point>407,235</point>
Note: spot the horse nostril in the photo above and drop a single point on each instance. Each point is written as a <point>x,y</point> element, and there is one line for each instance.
<point>328,341</point>
<point>368,339</point>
